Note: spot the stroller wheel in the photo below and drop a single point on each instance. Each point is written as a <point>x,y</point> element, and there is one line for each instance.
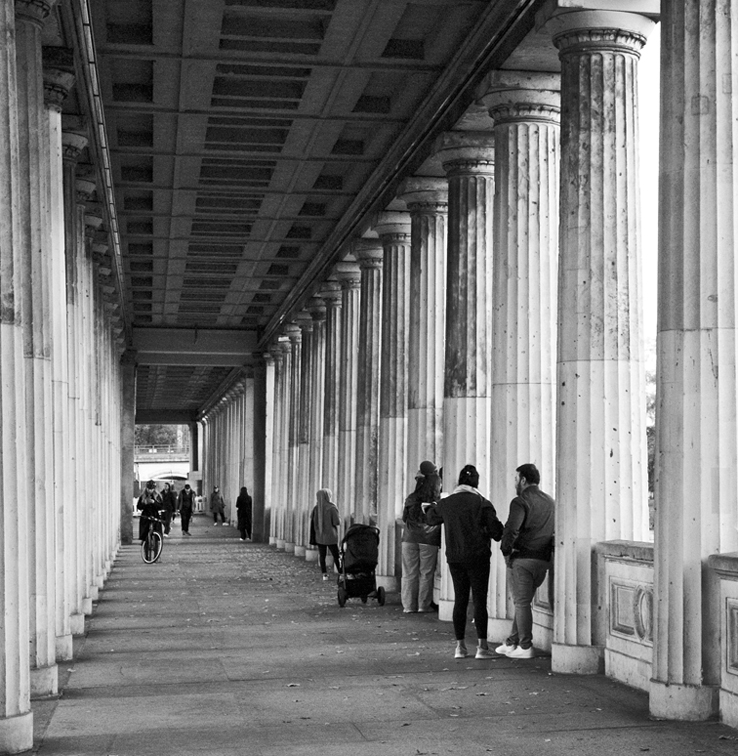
<point>380,596</point>
<point>342,596</point>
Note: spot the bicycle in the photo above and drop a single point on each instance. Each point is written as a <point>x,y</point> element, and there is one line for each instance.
<point>152,545</point>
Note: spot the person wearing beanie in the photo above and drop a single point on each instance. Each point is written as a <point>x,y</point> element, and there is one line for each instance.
<point>324,522</point>
<point>420,543</point>
<point>469,522</point>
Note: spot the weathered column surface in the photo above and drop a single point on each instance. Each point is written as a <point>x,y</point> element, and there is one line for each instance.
<point>349,276</point>
<point>696,433</point>
<point>261,490</point>
<point>293,418</point>
<point>284,439</point>
<point>331,294</point>
<point>525,109</point>
<point>302,460</point>
<point>369,254</point>
<point>427,201</point>
<point>468,159</point>
<point>393,229</point>
<point>276,517</point>
<point>16,718</point>
<point>601,436</point>
<point>36,308</point>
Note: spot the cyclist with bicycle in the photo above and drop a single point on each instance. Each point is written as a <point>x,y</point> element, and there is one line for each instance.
<point>149,504</point>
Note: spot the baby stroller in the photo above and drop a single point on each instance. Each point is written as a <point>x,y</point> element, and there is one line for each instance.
<point>359,557</point>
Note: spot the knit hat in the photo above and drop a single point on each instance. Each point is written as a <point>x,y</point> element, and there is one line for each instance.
<point>428,468</point>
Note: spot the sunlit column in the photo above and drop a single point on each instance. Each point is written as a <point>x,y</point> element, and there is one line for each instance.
<point>36,313</point>
<point>393,229</point>
<point>275,524</point>
<point>427,201</point>
<point>302,461</point>
<point>368,252</point>
<point>331,295</point>
<point>696,426</point>
<point>601,435</point>
<point>261,490</point>
<point>293,418</point>
<point>525,108</point>
<point>16,719</point>
<point>349,276</point>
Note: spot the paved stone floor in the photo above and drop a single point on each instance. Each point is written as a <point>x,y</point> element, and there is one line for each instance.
<point>233,649</point>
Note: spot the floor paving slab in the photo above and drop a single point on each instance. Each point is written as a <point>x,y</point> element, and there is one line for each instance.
<point>235,649</point>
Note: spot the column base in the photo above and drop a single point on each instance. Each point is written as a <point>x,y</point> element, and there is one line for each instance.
<point>693,703</point>
<point>272,541</point>
<point>577,660</point>
<point>77,624</point>
<point>280,544</point>
<point>300,551</point>
<point>390,583</point>
<point>16,733</point>
<point>87,606</point>
<point>499,629</point>
<point>99,582</point>
<point>94,592</point>
<point>64,647</point>
<point>289,547</point>
<point>311,555</point>
<point>445,610</point>
<point>44,682</point>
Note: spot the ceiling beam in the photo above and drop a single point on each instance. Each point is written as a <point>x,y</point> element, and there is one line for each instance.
<point>193,346</point>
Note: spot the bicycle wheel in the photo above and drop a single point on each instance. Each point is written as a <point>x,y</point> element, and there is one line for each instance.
<point>158,544</point>
<point>151,547</point>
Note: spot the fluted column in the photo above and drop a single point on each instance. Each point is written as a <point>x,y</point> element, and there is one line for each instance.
<point>284,438</point>
<point>263,439</point>
<point>317,309</point>
<point>275,526</point>
<point>57,84</point>
<point>331,295</point>
<point>36,308</point>
<point>293,435</point>
<point>302,463</point>
<point>349,277</point>
<point>525,108</point>
<point>696,446</point>
<point>468,159</point>
<point>427,201</point>
<point>368,252</point>
<point>16,719</point>
<point>601,435</point>
<point>393,229</point>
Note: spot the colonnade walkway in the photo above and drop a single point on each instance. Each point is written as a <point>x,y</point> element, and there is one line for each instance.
<point>230,648</point>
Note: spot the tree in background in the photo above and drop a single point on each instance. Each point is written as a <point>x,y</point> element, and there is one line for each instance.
<point>162,435</point>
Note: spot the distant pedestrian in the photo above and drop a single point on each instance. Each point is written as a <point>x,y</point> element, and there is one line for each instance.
<point>527,545</point>
<point>217,506</point>
<point>420,543</point>
<point>324,522</point>
<point>244,505</point>
<point>185,505</point>
<point>469,522</point>
<point>169,505</point>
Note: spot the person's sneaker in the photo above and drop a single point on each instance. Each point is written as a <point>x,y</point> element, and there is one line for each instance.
<point>425,611</point>
<point>166,535</point>
<point>215,524</point>
<point>325,577</point>
<point>521,653</point>
<point>504,649</point>
<point>461,652</point>
<point>484,653</point>
<point>241,539</point>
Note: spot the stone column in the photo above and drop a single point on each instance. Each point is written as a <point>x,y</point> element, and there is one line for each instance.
<point>317,309</point>
<point>696,447</point>
<point>369,254</point>
<point>468,159</point>
<point>393,229</point>
<point>525,108</point>
<point>36,313</point>
<point>275,527</point>
<point>427,201</point>
<point>349,277</point>
<point>302,461</point>
<point>57,83</point>
<point>16,718</point>
<point>263,439</point>
<point>331,294</point>
<point>292,435</point>
<point>601,435</point>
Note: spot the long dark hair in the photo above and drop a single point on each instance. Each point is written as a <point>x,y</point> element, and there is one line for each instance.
<point>427,488</point>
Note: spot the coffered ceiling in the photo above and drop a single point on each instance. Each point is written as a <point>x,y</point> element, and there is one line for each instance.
<point>251,140</point>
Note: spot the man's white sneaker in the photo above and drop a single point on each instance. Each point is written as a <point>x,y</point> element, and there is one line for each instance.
<point>521,653</point>
<point>504,649</point>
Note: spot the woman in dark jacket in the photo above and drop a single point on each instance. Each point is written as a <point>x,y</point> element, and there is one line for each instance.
<point>324,524</point>
<point>169,505</point>
<point>469,522</point>
<point>244,505</point>
<point>149,504</point>
<point>420,543</point>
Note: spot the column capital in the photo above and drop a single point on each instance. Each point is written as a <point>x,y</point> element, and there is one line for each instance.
<point>33,11</point>
<point>72,145</point>
<point>521,96</point>
<point>317,308</point>
<point>590,30</point>
<point>293,333</point>
<point>392,224</point>
<point>85,189</point>
<point>469,152</point>
<point>368,252</point>
<point>304,321</point>
<point>422,193</point>
<point>57,85</point>
<point>348,274</point>
<point>330,292</point>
